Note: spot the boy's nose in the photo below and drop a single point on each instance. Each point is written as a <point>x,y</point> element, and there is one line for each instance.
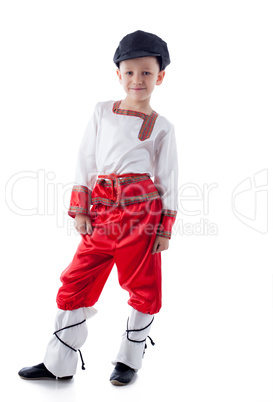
<point>137,79</point>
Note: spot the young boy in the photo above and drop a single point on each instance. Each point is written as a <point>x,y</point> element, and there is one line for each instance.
<point>125,144</point>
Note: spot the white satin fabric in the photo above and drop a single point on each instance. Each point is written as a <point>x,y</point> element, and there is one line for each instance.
<point>62,361</point>
<point>111,145</point>
<point>131,353</point>
<point>59,359</point>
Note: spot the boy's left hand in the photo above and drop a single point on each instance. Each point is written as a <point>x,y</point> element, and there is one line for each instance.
<point>161,243</point>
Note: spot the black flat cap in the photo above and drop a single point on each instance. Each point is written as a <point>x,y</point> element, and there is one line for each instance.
<point>141,44</point>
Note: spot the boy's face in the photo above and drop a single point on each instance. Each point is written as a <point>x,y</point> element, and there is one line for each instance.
<point>139,77</point>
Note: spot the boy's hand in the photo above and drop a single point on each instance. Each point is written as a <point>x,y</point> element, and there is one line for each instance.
<point>82,224</point>
<point>161,243</point>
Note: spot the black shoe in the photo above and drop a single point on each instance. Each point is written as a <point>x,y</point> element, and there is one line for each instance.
<point>122,374</point>
<point>39,372</point>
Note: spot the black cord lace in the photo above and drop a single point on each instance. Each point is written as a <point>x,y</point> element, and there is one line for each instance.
<point>70,347</point>
<point>138,330</point>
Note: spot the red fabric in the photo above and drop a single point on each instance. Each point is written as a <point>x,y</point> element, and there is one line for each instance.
<point>125,189</point>
<point>167,221</point>
<point>80,201</point>
<point>121,235</point>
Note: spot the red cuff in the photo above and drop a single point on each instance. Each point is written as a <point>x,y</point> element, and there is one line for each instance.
<point>167,220</point>
<point>80,201</point>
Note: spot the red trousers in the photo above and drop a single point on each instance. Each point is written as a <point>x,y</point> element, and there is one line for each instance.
<point>123,235</point>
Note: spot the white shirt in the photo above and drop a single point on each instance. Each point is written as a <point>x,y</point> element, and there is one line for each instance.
<point>111,144</point>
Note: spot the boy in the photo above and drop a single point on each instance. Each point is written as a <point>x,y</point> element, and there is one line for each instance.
<point>125,143</point>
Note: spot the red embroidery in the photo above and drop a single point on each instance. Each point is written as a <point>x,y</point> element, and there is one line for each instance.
<point>169,212</point>
<point>80,201</point>
<point>168,217</point>
<point>145,191</point>
<point>148,120</point>
<point>127,200</point>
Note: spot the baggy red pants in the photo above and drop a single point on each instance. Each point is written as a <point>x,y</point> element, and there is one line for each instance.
<point>123,235</point>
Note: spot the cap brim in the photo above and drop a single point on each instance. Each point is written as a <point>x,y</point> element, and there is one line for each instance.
<point>135,54</point>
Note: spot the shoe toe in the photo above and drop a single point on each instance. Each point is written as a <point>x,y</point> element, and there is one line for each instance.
<point>122,375</point>
<point>35,372</point>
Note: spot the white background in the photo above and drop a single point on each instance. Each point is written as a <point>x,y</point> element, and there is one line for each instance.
<point>214,334</point>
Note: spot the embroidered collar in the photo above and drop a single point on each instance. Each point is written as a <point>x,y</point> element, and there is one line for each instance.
<point>148,120</point>
<point>128,112</point>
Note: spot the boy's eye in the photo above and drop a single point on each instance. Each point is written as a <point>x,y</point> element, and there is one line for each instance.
<point>144,73</point>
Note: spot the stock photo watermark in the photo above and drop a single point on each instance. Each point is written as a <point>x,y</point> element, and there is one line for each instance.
<point>249,202</point>
<point>194,209</point>
<point>47,197</point>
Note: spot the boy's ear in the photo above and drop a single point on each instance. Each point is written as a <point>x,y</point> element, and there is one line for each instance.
<point>119,75</point>
<point>160,77</point>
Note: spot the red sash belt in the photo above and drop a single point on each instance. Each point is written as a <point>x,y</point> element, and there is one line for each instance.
<point>108,191</point>
<point>116,179</point>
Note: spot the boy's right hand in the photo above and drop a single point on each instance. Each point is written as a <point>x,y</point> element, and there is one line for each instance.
<point>82,224</point>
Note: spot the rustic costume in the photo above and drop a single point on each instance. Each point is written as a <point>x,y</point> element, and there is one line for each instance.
<point>128,211</point>
<point>121,150</point>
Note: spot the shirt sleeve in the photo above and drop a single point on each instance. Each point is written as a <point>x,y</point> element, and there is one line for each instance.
<point>166,181</point>
<point>86,170</point>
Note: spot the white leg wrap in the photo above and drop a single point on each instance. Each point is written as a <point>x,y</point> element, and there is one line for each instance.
<point>60,359</point>
<point>133,340</point>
